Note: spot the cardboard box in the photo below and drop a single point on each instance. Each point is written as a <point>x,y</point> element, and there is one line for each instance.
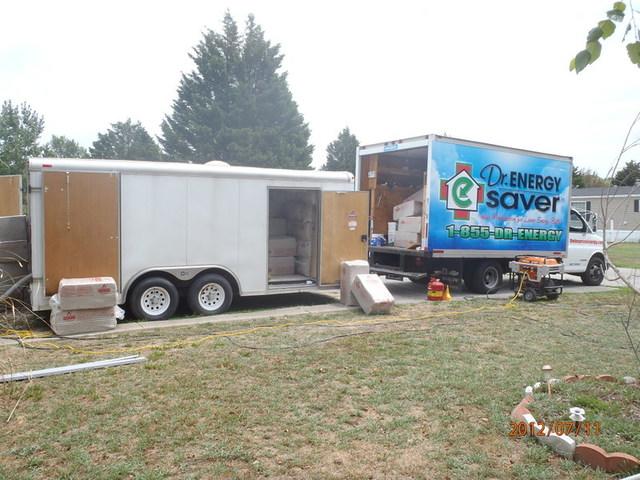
<point>418,196</point>
<point>282,246</point>
<point>72,322</point>
<point>410,224</point>
<point>277,227</point>
<point>372,295</point>
<point>303,266</point>
<point>348,272</point>
<point>407,209</point>
<point>407,239</point>
<point>83,293</point>
<point>281,265</point>
<point>304,248</point>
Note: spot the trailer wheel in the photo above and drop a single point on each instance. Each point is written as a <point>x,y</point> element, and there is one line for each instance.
<point>154,298</point>
<point>486,277</point>
<point>210,294</point>
<point>594,274</point>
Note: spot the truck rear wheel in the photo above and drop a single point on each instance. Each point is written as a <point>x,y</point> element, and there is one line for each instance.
<point>154,298</point>
<point>210,294</point>
<point>486,277</point>
<point>594,274</point>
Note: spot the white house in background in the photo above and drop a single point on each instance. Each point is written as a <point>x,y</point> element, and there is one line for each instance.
<point>623,212</point>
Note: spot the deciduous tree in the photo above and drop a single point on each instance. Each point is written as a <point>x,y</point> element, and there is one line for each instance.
<point>62,147</point>
<point>126,141</point>
<point>604,30</point>
<point>20,129</point>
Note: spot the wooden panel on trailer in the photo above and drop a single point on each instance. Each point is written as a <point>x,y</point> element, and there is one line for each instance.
<point>344,232</point>
<point>10,195</point>
<point>80,227</point>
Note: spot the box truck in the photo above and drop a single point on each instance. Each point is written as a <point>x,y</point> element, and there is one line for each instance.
<point>202,234</point>
<point>464,209</point>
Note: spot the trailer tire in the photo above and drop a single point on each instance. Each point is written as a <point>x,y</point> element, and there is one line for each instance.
<point>154,298</point>
<point>594,274</point>
<point>210,294</point>
<point>486,277</point>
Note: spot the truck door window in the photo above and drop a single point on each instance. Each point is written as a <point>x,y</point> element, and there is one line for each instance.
<point>577,224</point>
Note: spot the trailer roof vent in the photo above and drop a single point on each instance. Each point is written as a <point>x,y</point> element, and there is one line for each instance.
<point>217,163</point>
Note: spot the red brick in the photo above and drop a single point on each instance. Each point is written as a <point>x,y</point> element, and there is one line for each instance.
<point>521,409</point>
<point>596,457</point>
<point>519,412</point>
<point>571,378</point>
<point>591,455</point>
<point>621,462</point>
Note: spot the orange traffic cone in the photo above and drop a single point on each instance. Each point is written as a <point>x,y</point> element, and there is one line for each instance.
<point>447,295</point>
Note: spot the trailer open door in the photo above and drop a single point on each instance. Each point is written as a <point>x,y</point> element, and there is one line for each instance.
<point>345,222</point>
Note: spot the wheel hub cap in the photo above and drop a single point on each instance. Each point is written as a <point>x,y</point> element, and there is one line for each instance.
<point>155,301</point>
<point>211,296</point>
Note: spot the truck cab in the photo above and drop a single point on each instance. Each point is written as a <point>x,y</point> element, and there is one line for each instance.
<point>585,257</point>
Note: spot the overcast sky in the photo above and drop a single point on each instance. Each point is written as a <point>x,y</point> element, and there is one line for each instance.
<point>492,71</point>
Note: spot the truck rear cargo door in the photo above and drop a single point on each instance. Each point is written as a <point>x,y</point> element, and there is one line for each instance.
<point>80,227</point>
<point>344,232</point>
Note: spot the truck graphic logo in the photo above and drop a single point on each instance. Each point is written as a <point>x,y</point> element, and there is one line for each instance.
<point>462,193</point>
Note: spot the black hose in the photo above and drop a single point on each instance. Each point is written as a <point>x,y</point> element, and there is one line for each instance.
<point>14,287</point>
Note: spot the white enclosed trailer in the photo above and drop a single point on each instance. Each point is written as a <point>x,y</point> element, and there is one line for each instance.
<point>200,233</point>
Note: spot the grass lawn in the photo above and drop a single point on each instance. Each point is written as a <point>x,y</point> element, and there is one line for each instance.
<point>425,393</point>
<point>626,255</point>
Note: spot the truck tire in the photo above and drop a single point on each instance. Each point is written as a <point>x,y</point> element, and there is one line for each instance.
<point>154,298</point>
<point>594,274</point>
<point>210,294</point>
<point>486,277</point>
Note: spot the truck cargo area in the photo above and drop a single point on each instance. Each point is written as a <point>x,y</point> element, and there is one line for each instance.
<point>391,178</point>
<point>293,237</point>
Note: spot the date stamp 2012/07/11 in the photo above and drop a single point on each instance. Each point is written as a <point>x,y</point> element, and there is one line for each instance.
<point>522,429</point>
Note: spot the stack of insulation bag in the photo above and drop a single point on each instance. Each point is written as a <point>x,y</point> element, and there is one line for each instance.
<point>85,305</point>
<point>407,224</point>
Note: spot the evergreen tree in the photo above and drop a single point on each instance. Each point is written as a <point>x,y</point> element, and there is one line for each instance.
<point>20,129</point>
<point>629,174</point>
<point>341,153</point>
<point>126,141</point>
<point>62,147</point>
<point>236,105</point>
